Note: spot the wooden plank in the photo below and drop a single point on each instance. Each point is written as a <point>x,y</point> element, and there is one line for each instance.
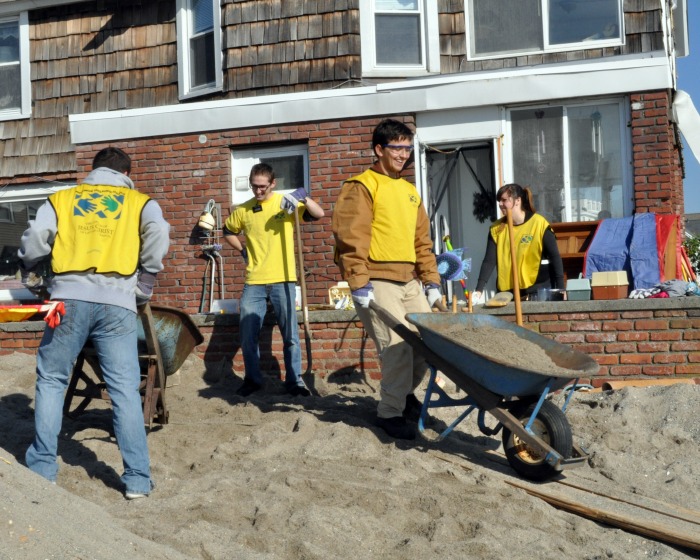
<point>600,508</point>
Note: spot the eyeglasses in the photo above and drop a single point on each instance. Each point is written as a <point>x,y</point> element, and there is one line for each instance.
<point>395,148</point>
<point>259,187</point>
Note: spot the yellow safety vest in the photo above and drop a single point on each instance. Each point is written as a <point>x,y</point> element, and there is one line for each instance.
<point>395,213</point>
<point>97,229</point>
<point>528,251</point>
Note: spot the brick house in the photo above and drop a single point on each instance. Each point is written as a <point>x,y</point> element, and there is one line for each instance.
<point>571,98</point>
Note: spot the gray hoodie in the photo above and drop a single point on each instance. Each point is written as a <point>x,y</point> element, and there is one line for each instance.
<point>114,289</point>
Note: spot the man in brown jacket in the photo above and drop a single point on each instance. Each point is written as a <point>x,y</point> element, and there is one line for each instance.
<point>384,252</point>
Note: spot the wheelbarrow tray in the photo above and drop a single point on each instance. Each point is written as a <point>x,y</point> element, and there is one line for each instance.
<point>176,333</point>
<point>491,371</point>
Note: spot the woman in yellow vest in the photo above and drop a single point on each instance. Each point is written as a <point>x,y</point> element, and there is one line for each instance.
<point>537,256</point>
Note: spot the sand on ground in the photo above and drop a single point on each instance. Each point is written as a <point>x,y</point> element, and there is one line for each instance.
<point>277,477</point>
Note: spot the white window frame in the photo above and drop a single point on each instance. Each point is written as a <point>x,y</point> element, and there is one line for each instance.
<point>430,39</point>
<point>562,47</point>
<point>25,109</point>
<point>625,150</point>
<point>184,21</point>
<point>242,161</point>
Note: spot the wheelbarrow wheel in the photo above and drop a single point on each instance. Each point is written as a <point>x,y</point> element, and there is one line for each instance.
<point>552,427</point>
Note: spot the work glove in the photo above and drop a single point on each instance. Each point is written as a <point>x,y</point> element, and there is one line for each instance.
<point>35,283</point>
<point>291,200</point>
<point>144,287</point>
<point>362,296</point>
<point>432,292</point>
<point>244,254</point>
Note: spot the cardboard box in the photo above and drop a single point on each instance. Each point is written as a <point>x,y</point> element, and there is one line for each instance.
<point>610,285</point>
<point>578,289</point>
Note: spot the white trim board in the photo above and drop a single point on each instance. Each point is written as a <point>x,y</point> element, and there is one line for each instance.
<point>600,77</point>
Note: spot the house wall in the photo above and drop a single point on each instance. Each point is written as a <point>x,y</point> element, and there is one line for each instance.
<point>111,55</point>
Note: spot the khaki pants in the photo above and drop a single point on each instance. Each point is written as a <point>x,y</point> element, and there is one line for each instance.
<point>403,369</point>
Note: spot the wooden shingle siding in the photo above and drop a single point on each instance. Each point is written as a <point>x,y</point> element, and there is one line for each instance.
<point>88,57</point>
<point>281,46</point>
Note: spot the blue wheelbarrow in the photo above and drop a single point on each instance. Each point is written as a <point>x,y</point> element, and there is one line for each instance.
<point>536,433</point>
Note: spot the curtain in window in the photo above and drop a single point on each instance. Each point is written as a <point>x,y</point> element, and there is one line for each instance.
<point>538,158</point>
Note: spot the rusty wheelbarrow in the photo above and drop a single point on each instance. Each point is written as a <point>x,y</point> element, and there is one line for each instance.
<point>536,434</point>
<point>166,337</point>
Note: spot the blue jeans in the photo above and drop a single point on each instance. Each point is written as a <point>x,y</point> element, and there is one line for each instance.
<point>112,330</point>
<point>253,309</point>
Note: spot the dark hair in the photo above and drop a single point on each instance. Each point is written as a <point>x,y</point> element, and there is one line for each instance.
<point>389,130</point>
<point>113,158</point>
<point>514,191</point>
<point>262,169</point>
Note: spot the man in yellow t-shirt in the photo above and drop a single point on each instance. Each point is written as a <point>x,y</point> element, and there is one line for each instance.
<point>267,224</point>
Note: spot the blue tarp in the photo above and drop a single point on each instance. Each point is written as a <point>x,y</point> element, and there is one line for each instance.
<point>627,244</point>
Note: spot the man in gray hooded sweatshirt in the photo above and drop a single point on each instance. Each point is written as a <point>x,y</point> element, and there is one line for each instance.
<point>106,243</point>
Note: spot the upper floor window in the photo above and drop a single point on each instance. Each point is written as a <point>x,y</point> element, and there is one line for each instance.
<point>290,164</point>
<point>506,27</point>
<point>574,159</point>
<point>199,47</point>
<point>399,37</point>
<point>15,85</point>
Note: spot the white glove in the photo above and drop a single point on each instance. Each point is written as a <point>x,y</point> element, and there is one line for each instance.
<point>432,292</point>
<point>291,200</point>
<point>362,296</point>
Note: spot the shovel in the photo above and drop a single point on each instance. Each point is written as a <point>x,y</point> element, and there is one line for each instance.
<point>304,303</point>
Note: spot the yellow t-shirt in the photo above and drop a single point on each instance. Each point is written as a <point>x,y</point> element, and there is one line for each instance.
<point>269,234</point>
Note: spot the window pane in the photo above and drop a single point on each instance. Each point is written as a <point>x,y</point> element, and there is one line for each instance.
<point>202,65</point>
<point>595,162</point>
<point>572,21</point>
<point>10,87</point>
<point>398,39</point>
<point>9,42</point>
<point>388,5</point>
<point>538,161</point>
<point>202,16</point>
<point>500,26</point>
<point>289,171</point>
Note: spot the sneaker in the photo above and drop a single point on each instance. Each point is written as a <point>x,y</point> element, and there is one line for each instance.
<point>412,410</point>
<point>135,495</point>
<point>248,388</point>
<point>299,391</point>
<point>396,427</point>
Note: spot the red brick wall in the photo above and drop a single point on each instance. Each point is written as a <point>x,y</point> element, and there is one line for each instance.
<point>658,179</point>
<point>627,344</point>
<point>338,347</point>
<point>654,343</point>
<point>183,175</point>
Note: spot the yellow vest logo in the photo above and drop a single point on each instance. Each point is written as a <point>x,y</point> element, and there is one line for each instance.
<point>98,205</point>
<point>526,239</point>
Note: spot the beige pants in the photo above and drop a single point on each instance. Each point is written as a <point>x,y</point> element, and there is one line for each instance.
<point>403,369</point>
